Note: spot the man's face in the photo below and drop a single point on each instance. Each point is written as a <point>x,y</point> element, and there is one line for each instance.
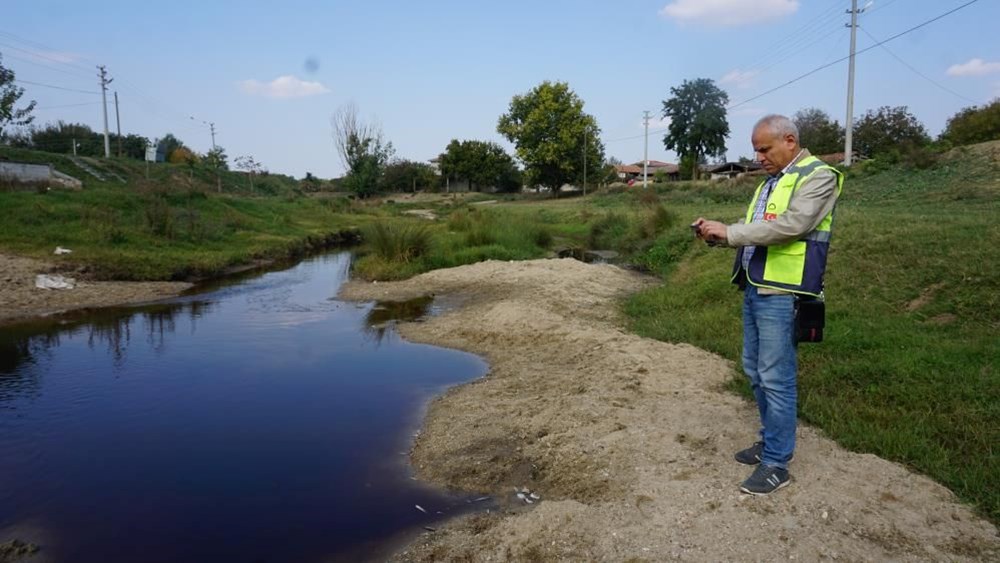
<point>774,152</point>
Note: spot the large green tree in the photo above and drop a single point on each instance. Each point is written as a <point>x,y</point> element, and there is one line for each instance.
<point>363,150</point>
<point>552,135</point>
<point>818,132</point>
<point>408,176</point>
<point>9,96</point>
<point>887,130</point>
<point>974,125</point>
<point>698,126</point>
<point>483,164</point>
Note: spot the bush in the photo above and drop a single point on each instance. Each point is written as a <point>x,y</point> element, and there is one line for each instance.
<point>395,241</point>
<point>608,231</point>
<point>660,220</point>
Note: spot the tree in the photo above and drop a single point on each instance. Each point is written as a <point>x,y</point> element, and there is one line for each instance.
<point>408,176</point>
<point>248,164</point>
<point>887,130</point>
<point>133,146</point>
<point>363,150</point>
<point>550,131</point>
<point>818,132</point>
<point>216,160</point>
<point>9,96</point>
<point>170,143</point>
<point>974,125</point>
<point>698,126</point>
<point>482,163</point>
<point>59,137</point>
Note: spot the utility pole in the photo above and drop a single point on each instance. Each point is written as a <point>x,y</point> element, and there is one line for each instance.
<point>211,127</point>
<point>645,150</point>
<point>118,123</point>
<point>104,105</point>
<point>849,130</point>
<point>584,160</point>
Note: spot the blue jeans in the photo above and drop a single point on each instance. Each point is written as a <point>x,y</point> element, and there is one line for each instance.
<point>770,363</point>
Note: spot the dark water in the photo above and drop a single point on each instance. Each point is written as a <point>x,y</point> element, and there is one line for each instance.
<point>264,421</point>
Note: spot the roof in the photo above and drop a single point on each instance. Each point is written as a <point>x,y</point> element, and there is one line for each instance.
<point>731,167</point>
<point>629,168</point>
<point>655,165</point>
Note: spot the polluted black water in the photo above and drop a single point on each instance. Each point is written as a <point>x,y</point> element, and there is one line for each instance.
<point>261,421</point>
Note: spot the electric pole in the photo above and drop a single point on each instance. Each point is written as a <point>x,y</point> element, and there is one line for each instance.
<point>118,124</point>
<point>211,127</point>
<point>104,98</point>
<point>645,150</point>
<point>849,130</point>
<point>584,160</point>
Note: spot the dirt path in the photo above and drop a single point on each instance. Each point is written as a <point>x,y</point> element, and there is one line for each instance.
<point>21,299</point>
<point>629,441</point>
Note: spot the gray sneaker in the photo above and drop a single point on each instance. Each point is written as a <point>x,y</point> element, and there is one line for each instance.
<point>751,455</point>
<point>765,480</point>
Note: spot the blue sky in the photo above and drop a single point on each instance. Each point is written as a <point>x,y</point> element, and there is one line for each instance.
<point>270,75</point>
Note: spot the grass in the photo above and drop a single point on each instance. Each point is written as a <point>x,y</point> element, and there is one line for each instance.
<point>170,226</point>
<point>909,368</point>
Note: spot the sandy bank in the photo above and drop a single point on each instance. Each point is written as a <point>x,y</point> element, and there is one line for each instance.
<point>22,300</point>
<point>629,441</point>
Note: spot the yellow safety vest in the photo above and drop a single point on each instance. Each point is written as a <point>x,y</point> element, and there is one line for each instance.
<point>798,266</point>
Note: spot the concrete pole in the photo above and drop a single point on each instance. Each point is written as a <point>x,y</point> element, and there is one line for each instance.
<point>849,127</point>
<point>104,98</point>
<point>645,150</point>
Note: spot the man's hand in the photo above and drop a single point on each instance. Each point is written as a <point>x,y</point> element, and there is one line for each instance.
<point>710,231</point>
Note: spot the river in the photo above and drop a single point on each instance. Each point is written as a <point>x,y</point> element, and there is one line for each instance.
<point>262,420</point>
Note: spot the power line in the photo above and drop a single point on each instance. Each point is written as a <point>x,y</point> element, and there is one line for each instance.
<point>917,72</point>
<point>29,61</point>
<point>37,45</point>
<point>842,59</point>
<point>19,81</point>
<point>68,106</point>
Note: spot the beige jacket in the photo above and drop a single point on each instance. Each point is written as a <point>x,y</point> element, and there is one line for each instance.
<point>814,199</point>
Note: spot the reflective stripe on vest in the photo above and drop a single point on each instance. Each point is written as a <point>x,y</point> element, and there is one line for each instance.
<point>798,266</point>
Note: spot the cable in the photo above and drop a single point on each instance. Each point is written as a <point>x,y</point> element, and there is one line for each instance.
<point>790,43</point>
<point>41,56</point>
<point>917,72</point>
<point>71,73</point>
<point>56,87</point>
<point>69,105</point>
<point>37,45</point>
<point>866,49</point>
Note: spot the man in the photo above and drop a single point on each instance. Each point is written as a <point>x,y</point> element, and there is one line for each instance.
<point>782,257</point>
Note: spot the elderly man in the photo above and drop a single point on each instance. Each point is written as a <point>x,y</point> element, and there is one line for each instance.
<point>781,257</point>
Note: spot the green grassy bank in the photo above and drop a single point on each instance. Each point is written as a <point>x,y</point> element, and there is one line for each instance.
<point>909,368</point>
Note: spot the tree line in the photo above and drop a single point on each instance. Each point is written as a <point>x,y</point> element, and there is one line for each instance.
<point>556,142</point>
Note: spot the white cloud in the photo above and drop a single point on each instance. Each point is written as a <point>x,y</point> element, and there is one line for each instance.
<point>742,79</point>
<point>728,12</point>
<point>283,87</point>
<point>975,67</point>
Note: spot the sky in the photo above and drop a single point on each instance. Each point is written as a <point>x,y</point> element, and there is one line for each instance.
<point>270,75</point>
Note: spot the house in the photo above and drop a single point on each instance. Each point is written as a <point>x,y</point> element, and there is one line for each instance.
<point>729,170</point>
<point>628,172</point>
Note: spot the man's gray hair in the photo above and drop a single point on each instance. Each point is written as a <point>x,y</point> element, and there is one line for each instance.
<point>779,125</point>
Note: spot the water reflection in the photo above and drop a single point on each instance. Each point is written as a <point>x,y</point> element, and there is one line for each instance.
<point>381,318</point>
<point>260,421</point>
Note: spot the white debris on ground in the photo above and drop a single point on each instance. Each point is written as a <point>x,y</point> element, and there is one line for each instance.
<point>60,250</point>
<point>49,281</point>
